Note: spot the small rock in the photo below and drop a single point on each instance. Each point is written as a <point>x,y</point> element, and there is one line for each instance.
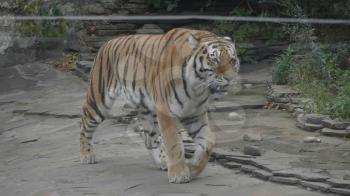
<point>315,185</point>
<point>334,124</point>
<point>234,116</point>
<point>297,112</point>
<point>284,173</point>
<point>252,137</point>
<point>284,180</point>
<point>315,118</point>
<point>335,133</point>
<point>248,85</point>
<point>311,139</point>
<point>340,191</point>
<point>346,177</point>
<point>251,150</point>
<point>308,176</point>
<point>339,183</point>
<point>241,160</point>
<point>139,129</point>
<point>231,165</point>
<point>309,126</point>
<point>302,124</point>
<point>262,174</point>
<point>247,168</point>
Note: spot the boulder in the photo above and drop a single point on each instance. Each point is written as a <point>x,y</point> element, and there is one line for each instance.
<point>335,124</point>
<point>251,150</point>
<point>335,132</point>
<point>315,118</point>
<point>302,124</point>
<point>252,137</point>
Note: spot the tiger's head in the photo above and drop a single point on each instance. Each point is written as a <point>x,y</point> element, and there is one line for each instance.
<point>215,60</point>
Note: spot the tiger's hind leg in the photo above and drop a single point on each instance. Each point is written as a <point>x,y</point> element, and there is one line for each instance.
<point>153,141</point>
<point>92,116</point>
<point>99,100</point>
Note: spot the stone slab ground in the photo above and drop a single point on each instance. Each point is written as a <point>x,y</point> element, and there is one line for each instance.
<point>39,144</point>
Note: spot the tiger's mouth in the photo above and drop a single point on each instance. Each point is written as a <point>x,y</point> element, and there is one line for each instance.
<point>220,84</point>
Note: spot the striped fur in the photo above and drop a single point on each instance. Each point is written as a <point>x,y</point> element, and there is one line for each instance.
<point>169,77</point>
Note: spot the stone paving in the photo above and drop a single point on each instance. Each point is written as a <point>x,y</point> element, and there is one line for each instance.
<point>39,110</point>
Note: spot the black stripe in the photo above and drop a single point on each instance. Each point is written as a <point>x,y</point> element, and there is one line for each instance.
<point>195,71</point>
<point>116,63</point>
<point>193,134</point>
<point>190,118</point>
<point>102,85</point>
<point>145,76</point>
<point>201,59</point>
<point>146,112</point>
<point>88,114</point>
<point>202,146</point>
<point>201,93</point>
<point>158,65</point>
<point>126,67</point>
<point>203,101</point>
<point>172,83</point>
<point>160,57</point>
<point>195,66</point>
<point>200,138</point>
<point>142,103</point>
<point>181,34</point>
<point>95,108</point>
<point>190,122</point>
<point>139,59</point>
<point>135,69</point>
<point>128,45</point>
<point>184,79</point>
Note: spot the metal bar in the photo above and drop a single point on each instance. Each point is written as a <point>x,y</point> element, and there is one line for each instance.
<point>183,17</point>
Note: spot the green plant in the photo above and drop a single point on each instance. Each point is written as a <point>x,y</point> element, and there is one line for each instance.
<point>40,28</point>
<point>282,67</point>
<point>316,73</point>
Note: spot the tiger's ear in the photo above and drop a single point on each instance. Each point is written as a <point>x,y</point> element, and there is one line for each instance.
<point>193,41</point>
<point>228,38</point>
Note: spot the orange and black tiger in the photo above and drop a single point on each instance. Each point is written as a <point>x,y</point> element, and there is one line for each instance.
<point>168,77</point>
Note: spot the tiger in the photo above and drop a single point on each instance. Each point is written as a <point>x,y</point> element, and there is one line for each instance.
<point>169,78</point>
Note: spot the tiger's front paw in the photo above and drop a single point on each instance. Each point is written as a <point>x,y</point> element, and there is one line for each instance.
<point>87,157</point>
<point>179,173</point>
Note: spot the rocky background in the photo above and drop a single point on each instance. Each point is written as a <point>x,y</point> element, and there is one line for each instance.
<point>28,42</point>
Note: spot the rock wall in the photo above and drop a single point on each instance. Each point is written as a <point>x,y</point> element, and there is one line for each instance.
<point>81,36</point>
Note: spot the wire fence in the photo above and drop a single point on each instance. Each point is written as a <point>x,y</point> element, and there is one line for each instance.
<point>144,18</point>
